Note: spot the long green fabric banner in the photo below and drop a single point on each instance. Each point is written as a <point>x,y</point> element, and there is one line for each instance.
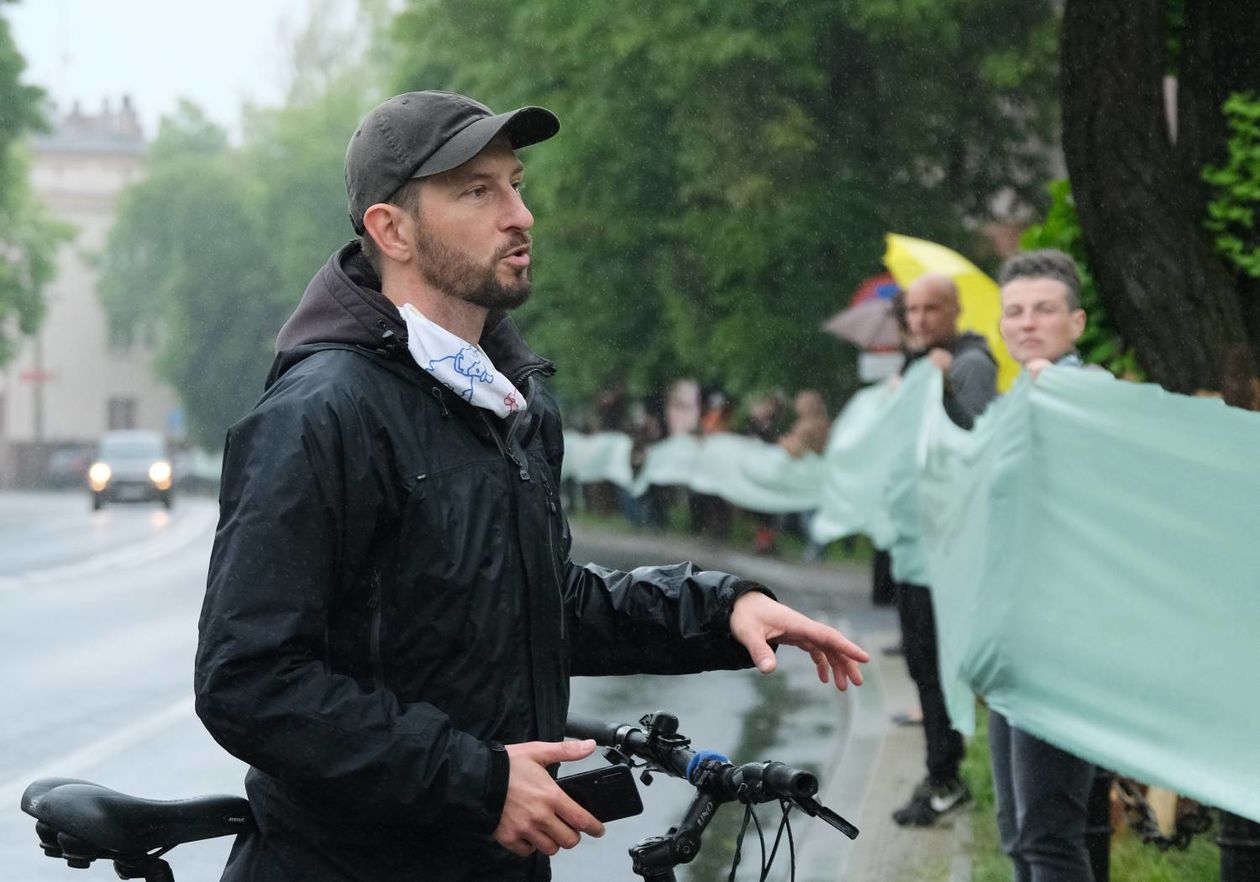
<point>1092,546</point>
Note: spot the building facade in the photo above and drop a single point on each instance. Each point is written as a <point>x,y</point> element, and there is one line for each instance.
<point>72,380</point>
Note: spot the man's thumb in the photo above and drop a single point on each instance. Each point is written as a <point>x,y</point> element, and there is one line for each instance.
<point>762,656</point>
<point>567,751</point>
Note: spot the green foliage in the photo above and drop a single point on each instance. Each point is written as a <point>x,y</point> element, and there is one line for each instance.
<point>186,262</point>
<point>1174,20</point>
<point>212,250</point>
<point>725,172</point>
<point>1101,343</point>
<point>1235,188</point>
<point>29,238</point>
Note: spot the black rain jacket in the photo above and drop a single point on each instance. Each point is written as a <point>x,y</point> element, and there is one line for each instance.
<point>390,600</point>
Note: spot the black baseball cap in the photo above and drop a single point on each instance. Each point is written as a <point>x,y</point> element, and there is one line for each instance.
<point>418,134</point>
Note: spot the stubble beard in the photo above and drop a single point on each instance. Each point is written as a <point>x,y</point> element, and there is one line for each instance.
<point>457,275</point>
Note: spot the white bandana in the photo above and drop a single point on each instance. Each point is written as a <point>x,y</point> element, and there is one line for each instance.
<point>461,366</point>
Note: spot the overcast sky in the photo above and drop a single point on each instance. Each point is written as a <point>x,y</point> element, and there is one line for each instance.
<point>215,53</point>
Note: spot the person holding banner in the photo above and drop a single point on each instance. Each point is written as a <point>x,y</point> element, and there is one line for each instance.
<point>1042,792</point>
<point>932,310</point>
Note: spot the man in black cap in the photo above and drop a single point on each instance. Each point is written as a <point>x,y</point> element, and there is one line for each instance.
<point>391,616</point>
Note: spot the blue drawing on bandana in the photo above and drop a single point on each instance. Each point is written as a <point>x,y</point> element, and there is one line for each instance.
<point>467,363</point>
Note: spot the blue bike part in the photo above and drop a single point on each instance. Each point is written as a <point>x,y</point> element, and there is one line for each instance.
<point>702,756</point>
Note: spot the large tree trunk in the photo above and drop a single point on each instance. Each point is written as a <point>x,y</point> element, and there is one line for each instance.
<point>1219,58</point>
<point>1139,203</point>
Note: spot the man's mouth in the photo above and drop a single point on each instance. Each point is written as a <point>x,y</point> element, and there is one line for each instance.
<point>518,256</point>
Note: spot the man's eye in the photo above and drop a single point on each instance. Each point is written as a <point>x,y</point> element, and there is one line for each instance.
<point>517,185</point>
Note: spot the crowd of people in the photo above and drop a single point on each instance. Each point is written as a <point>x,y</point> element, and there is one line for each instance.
<point>799,424</point>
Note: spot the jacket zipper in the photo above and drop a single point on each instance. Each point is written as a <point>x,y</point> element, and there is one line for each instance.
<point>551,503</point>
<point>374,635</point>
<point>551,551</point>
<point>522,472</point>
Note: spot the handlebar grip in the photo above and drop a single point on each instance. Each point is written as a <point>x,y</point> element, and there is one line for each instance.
<point>582,728</point>
<point>787,781</point>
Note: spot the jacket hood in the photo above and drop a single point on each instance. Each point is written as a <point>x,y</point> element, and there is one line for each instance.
<point>343,307</point>
<point>965,342</point>
<point>969,340</point>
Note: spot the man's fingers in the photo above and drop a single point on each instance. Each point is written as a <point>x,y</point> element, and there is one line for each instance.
<point>579,818</point>
<point>519,847</point>
<point>544,842</point>
<point>855,672</point>
<point>821,663</point>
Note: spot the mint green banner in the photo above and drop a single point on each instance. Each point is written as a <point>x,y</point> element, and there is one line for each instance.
<point>744,471</point>
<point>1095,569</point>
<point>1093,549</point>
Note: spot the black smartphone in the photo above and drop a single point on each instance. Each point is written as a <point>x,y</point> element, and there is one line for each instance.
<point>608,793</point>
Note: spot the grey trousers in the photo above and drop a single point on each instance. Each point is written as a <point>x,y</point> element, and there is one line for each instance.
<point>1042,797</point>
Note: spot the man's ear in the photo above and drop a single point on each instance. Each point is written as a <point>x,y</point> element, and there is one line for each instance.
<point>391,229</point>
<point>1078,324</point>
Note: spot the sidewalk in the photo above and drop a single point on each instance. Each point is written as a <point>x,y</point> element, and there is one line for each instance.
<point>876,758</point>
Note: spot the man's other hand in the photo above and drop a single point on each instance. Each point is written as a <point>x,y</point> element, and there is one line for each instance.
<point>537,814</point>
<point>757,620</point>
<point>941,358</point>
<point>1035,366</point>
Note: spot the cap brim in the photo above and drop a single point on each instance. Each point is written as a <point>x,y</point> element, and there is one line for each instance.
<point>525,126</point>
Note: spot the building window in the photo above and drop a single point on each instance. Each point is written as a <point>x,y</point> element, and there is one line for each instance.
<point>122,413</point>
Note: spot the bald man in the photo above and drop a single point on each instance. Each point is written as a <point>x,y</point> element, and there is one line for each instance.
<point>970,370</point>
<point>932,310</point>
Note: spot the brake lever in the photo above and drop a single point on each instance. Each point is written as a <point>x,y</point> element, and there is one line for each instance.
<point>816,809</point>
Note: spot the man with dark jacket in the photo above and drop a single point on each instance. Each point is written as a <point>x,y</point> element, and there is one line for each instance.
<point>1044,794</point>
<point>932,310</point>
<point>391,617</point>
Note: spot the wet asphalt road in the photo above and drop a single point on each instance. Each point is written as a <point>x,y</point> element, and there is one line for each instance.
<point>98,617</point>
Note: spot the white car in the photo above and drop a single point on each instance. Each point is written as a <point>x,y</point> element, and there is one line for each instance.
<point>131,466</point>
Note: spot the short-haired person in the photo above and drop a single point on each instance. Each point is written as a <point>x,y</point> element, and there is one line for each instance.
<point>1042,792</point>
<point>970,373</point>
<point>391,615</point>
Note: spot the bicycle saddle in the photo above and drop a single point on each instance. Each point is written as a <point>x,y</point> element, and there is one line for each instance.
<point>115,822</point>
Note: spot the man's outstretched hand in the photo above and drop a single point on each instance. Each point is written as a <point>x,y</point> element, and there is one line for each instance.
<point>757,620</point>
<point>537,814</point>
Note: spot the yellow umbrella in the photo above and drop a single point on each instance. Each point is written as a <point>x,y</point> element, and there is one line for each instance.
<point>908,258</point>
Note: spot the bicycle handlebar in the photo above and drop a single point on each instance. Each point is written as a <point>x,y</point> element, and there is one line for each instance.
<point>656,741</point>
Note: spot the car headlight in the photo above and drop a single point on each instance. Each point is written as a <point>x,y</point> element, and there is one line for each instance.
<point>99,475</point>
<point>160,474</point>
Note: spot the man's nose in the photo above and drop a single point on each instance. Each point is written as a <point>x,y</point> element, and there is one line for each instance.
<point>517,215</point>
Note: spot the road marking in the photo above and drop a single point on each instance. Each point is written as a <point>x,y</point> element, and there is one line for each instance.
<point>77,762</point>
<point>185,532</point>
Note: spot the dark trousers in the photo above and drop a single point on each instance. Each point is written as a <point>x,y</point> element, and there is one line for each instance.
<point>918,638</point>
<point>1042,803</point>
<point>883,588</point>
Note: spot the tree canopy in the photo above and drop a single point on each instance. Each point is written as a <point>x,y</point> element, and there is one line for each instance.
<point>212,250</point>
<point>725,172</point>
<point>28,237</point>
<point>723,179</point>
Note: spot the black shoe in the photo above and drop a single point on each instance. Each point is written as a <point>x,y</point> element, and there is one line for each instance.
<point>932,801</point>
